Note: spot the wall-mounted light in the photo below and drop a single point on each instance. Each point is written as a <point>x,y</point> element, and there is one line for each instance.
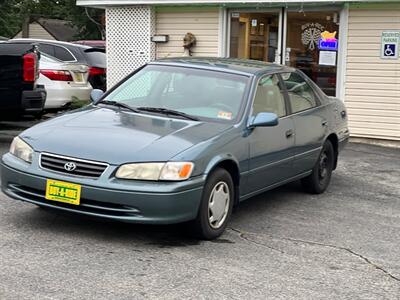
<point>335,18</point>
<point>160,38</point>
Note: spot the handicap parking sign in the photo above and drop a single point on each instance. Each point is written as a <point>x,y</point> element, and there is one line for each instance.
<point>389,50</point>
<point>390,44</point>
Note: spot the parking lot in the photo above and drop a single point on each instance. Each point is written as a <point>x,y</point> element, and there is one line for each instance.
<point>283,244</point>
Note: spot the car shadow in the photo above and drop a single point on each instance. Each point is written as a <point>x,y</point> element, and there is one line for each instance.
<point>53,222</point>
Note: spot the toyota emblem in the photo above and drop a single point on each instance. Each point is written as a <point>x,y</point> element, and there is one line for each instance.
<point>70,166</point>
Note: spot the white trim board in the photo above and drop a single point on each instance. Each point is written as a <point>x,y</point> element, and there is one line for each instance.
<point>222,31</point>
<point>342,54</point>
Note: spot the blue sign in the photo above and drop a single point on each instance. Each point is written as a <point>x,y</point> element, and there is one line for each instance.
<point>328,44</point>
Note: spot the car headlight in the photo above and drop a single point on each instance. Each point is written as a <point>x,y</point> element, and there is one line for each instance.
<point>21,150</point>
<point>172,171</point>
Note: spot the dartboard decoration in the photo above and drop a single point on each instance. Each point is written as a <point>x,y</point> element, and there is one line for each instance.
<point>311,33</point>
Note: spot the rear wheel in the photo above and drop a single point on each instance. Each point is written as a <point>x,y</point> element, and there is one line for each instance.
<point>216,205</point>
<point>318,181</point>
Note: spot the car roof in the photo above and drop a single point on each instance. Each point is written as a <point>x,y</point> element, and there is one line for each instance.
<point>231,65</point>
<point>28,40</point>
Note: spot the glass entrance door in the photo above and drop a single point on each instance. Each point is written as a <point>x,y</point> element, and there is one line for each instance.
<point>312,46</point>
<point>254,36</point>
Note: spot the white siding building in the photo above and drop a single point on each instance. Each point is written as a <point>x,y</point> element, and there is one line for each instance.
<point>372,84</point>
<point>288,32</point>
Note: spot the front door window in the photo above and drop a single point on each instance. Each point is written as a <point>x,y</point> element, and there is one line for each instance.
<point>269,97</point>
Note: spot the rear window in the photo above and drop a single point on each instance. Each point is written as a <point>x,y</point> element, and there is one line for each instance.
<point>96,59</point>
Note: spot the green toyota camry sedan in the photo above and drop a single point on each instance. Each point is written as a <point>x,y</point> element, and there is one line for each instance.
<point>181,140</point>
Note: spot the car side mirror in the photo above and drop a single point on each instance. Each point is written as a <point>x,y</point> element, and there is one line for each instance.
<point>264,119</point>
<point>95,95</point>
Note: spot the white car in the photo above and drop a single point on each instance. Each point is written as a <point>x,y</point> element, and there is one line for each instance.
<point>64,82</point>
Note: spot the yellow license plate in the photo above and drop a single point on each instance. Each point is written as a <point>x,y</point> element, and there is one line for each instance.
<point>63,192</point>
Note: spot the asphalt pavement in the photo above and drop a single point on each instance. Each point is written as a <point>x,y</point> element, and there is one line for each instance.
<point>283,244</point>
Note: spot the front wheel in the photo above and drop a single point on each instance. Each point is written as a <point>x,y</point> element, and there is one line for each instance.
<point>216,205</point>
<point>318,181</point>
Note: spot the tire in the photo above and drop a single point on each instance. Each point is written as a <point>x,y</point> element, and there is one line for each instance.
<point>211,223</point>
<point>318,181</point>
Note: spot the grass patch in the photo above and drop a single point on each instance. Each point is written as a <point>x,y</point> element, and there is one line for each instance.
<point>76,103</point>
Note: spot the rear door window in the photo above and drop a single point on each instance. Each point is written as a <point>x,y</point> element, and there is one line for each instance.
<point>46,48</point>
<point>301,95</point>
<point>63,54</point>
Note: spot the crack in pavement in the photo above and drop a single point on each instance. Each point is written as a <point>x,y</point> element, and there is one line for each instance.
<point>243,236</point>
<point>348,250</point>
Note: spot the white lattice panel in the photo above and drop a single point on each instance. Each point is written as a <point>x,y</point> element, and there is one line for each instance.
<point>129,30</point>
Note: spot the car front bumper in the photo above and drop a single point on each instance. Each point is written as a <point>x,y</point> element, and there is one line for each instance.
<point>168,203</point>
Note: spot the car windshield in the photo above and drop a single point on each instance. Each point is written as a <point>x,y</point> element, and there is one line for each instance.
<point>200,93</point>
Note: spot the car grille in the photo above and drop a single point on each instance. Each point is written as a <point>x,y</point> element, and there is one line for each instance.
<point>72,166</point>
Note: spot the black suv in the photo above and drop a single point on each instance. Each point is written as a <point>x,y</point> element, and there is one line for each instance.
<point>19,70</point>
<point>95,58</point>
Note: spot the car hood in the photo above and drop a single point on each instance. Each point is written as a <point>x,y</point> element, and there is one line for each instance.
<point>116,136</point>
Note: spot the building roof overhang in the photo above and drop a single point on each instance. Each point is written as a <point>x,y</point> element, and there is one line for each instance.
<point>105,3</point>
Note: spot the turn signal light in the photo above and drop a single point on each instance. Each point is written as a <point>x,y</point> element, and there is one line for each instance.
<point>185,170</point>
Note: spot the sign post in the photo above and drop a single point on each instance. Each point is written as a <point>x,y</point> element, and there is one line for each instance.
<point>390,43</point>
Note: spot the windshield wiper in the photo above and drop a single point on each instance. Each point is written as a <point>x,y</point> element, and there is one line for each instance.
<point>119,104</point>
<point>167,111</point>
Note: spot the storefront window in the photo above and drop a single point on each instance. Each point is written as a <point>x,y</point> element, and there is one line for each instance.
<point>254,36</point>
<point>312,46</point>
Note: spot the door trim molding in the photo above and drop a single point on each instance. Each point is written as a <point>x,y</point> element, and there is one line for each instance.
<point>271,164</point>
<point>299,176</point>
<point>308,152</point>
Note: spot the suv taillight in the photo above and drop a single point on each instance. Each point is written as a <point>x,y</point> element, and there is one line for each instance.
<point>93,71</point>
<point>29,67</point>
<point>57,75</point>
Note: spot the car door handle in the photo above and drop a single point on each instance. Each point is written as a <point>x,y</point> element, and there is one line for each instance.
<point>289,133</point>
